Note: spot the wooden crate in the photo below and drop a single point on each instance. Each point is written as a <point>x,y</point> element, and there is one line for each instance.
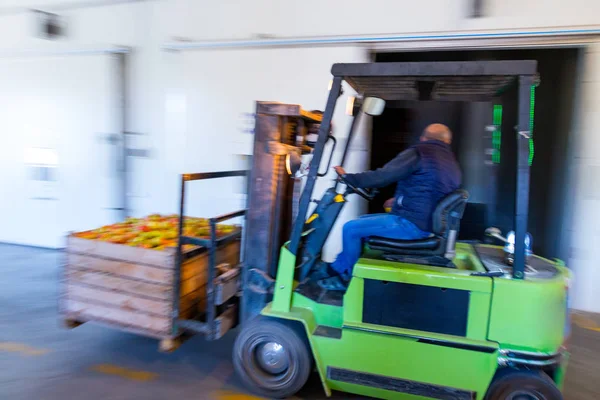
<point>131,288</point>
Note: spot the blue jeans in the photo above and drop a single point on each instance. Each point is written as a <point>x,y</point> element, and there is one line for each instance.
<point>385,225</point>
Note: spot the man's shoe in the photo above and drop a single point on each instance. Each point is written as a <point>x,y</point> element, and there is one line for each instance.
<point>322,270</point>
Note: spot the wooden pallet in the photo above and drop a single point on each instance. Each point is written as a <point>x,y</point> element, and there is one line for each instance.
<point>132,288</point>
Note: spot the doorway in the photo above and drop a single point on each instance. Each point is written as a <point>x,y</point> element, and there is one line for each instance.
<point>59,168</point>
<point>487,157</point>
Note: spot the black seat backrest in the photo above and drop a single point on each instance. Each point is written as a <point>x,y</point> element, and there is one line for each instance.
<point>449,211</point>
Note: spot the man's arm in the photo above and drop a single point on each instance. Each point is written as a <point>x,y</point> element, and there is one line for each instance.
<point>400,167</point>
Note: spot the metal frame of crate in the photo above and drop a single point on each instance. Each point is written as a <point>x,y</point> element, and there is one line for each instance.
<point>211,326</point>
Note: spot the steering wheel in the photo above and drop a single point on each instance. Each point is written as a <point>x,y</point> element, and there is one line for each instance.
<point>364,193</point>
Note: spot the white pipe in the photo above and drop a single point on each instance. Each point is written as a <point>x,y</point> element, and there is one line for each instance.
<point>589,31</point>
<point>478,44</point>
<point>63,52</point>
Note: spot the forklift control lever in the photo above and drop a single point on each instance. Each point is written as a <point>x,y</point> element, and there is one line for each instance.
<point>489,274</point>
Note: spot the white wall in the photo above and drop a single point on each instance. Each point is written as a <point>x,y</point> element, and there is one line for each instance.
<point>225,85</point>
<point>184,101</point>
<point>242,19</point>
<point>586,188</point>
<point>218,89</point>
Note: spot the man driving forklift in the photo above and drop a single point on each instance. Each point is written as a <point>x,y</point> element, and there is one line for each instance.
<point>424,174</point>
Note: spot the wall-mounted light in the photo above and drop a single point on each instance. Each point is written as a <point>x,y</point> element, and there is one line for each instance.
<point>476,9</point>
<point>41,164</point>
<point>41,156</point>
<point>497,134</point>
<point>49,25</point>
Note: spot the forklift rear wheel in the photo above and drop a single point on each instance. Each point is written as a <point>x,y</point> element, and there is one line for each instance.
<point>523,385</point>
<point>272,358</point>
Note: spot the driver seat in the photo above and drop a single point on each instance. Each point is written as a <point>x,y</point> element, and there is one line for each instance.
<point>438,249</point>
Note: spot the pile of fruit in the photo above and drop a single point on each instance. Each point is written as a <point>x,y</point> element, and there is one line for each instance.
<point>156,231</point>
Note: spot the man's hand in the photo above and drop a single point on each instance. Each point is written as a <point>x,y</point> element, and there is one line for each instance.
<point>389,204</point>
<point>339,170</point>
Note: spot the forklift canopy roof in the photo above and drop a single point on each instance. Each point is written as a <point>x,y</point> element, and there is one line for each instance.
<point>449,81</point>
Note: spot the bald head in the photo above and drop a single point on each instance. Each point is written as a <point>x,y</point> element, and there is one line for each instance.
<point>437,132</point>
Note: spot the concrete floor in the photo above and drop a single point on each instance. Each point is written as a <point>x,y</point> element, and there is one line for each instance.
<point>41,360</point>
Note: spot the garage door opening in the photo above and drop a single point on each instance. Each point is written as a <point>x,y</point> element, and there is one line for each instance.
<point>485,144</point>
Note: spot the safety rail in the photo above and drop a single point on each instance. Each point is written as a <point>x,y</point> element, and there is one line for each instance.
<point>210,244</point>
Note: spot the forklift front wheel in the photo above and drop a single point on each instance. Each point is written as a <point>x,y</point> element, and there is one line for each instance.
<point>272,358</point>
<point>523,385</point>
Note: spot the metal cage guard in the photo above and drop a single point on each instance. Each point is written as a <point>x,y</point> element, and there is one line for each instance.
<point>298,225</point>
<point>463,81</point>
<point>211,245</point>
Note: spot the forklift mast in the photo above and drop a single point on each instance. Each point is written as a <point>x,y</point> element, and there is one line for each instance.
<point>273,195</point>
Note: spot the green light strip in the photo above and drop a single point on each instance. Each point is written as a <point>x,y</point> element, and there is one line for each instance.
<point>531,118</point>
<point>497,135</point>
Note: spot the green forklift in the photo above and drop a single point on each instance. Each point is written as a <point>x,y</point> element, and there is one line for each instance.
<point>433,318</point>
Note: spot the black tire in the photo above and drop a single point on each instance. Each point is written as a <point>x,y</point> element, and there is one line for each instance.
<point>249,358</point>
<point>523,385</point>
